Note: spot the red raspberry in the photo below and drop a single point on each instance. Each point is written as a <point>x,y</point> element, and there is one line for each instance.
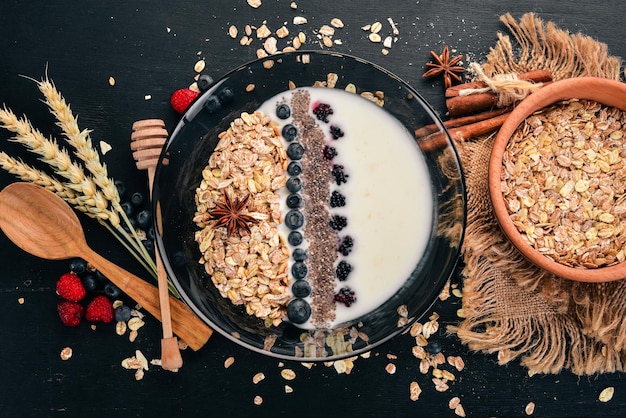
<point>181,99</point>
<point>70,312</point>
<point>100,309</point>
<point>70,287</point>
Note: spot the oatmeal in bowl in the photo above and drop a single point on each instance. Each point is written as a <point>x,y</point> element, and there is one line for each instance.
<point>300,215</point>
<point>557,179</point>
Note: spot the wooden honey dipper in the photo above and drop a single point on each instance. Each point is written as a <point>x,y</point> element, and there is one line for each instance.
<point>147,140</point>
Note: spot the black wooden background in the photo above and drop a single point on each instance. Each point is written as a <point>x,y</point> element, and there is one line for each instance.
<point>150,47</point>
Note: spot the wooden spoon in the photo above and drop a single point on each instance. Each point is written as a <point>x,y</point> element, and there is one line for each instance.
<point>42,224</point>
<point>147,140</point>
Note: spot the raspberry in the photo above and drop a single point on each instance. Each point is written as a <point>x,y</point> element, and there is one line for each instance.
<point>70,312</point>
<point>100,309</point>
<point>338,222</point>
<point>345,296</point>
<point>337,199</point>
<point>336,132</point>
<point>322,111</point>
<point>70,287</point>
<point>181,99</point>
<point>343,270</point>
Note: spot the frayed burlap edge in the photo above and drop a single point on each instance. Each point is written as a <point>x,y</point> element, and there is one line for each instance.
<point>548,323</point>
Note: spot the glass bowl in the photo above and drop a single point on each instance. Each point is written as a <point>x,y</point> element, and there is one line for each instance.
<point>189,147</point>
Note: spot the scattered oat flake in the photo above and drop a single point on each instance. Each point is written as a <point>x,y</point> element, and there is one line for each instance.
<point>147,97</point>
<point>340,366</point>
<point>66,353</point>
<point>299,20</point>
<point>258,377</point>
<point>20,301</point>
<point>229,362</point>
<point>414,391</point>
<point>457,293</point>
<point>390,368</point>
<point>607,394</point>
<point>135,323</point>
<point>232,31</point>
<point>254,3</point>
<point>288,374</point>
<point>374,37</point>
<point>336,22</point>
<point>258,400</point>
<point>293,5</point>
<point>120,328</point>
<point>111,81</point>
<point>288,389</point>
<point>105,147</point>
<point>530,408</point>
<point>139,373</point>
<point>459,410</point>
<point>199,66</point>
<point>376,27</point>
<point>249,87</point>
<point>132,336</point>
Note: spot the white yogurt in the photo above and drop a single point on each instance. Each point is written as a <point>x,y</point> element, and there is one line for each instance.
<point>388,194</point>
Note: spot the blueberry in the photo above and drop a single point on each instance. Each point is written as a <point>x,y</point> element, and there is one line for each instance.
<point>212,104</point>
<point>225,95</point>
<point>128,209</point>
<point>149,245</point>
<point>111,290</point>
<point>78,265</point>
<point>299,270</point>
<point>90,282</point>
<point>204,82</point>
<point>299,254</point>
<point>178,259</point>
<point>136,199</point>
<point>122,313</point>
<point>295,151</point>
<point>100,277</point>
<point>283,111</point>
<point>294,201</point>
<point>301,289</point>
<point>294,219</point>
<point>298,311</point>
<point>294,168</point>
<point>144,219</point>
<point>434,347</point>
<point>295,238</point>
<point>289,132</point>
<point>121,187</point>
<point>150,234</point>
<point>294,184</point>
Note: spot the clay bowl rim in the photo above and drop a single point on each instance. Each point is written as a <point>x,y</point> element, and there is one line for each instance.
<point>605,91</point>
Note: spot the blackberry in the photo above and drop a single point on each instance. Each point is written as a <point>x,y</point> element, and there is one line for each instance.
<point>294,184</point>
<point>294,169</point>
<point>294,219</point>
<point>336,132</point>
<point>339,175</point>
<point>345,296</point>
<point>343,270</point>
<point>322,111</point>
<point>299,270</point>
<point>283,111</point>
<point>301,289</point>
<point>329,152</point>
<point>295,238</point>
<point>337,199</point>
<point>289,132</point>
<point>299,254</point>
<point>294,201</point>
<point>298,311</point>
<point>295,151</point>
<point>345,245</point>
<point>338,222</point>
<point>204,81</point>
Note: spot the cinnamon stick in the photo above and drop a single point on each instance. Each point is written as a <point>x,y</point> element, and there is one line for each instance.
<point>457,122</point>
<point>438,140</point>
<point>464,105</point>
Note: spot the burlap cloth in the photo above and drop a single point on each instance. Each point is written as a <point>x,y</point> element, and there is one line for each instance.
<point>511,307</point>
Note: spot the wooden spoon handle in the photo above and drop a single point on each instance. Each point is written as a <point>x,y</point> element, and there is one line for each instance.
<point>185,323</point>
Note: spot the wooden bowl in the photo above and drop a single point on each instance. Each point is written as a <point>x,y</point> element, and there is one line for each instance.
<point>605,91</point>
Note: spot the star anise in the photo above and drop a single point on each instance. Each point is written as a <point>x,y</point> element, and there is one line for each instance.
<point>229,213</point>
<point>442,64</point>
